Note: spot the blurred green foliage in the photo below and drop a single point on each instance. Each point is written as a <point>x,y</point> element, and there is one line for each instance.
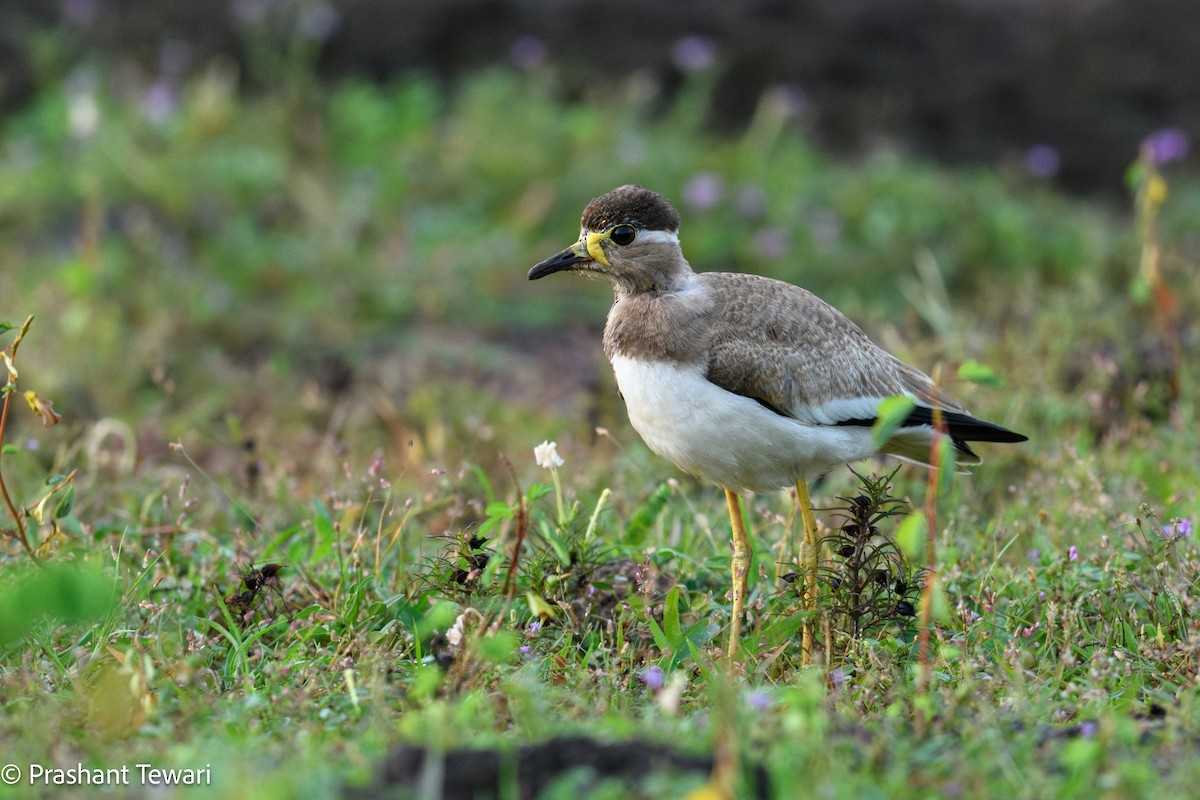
<point>256,223</point>
<point>48,596</point>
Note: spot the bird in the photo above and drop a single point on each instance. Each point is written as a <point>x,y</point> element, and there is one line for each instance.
<point>750,383</point>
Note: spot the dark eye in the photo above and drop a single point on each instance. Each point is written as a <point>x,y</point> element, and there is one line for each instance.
<point>623,234</point>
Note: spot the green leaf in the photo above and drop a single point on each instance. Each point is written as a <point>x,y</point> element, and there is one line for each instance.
<point>427,679</point>
<point>781,629</point>
<point>703,632</point>
<point>318,634</point>
<point>500,510</point>
<point>440,617</point>
<point>353,603</point>
<point>59,592</point>
<point>498,647</point>
<point>537,491</point>
<point>481,476</point>
<point>289,542</point>
<point>643,519</point>
<point>539,607</point>
<point>941,605</point>
<point>671,615</point>
<point>1135,175</point>
<point>307,611</point>
<point>65,504</point>
<point>1139,290</point>
<point>558,544</point>
<point>975,372</point>
<point>910,537</point>
<point>661,640</point>
<point>890,416</point>
<point>326,533</point>
<point>947,461</point>
<point>1081,755</point>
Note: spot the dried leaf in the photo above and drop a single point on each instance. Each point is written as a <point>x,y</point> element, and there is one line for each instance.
<point>44,409</point>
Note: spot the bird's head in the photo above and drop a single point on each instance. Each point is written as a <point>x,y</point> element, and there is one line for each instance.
<point>631,237</point>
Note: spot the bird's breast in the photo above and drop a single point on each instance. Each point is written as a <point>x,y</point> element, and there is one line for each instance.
<point>723,437</point>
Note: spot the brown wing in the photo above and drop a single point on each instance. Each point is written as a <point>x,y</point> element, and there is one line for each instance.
<point>819,368</point>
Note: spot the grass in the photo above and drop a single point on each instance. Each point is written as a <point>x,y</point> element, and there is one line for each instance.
<point>294,329</point>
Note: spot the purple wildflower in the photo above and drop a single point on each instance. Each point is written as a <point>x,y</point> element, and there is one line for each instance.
<point>652,676</point>
<point>758,700</point>
<point>751,202</point>
<point>250,12</point>
<point>1167,145</point>
<point>789,98</point>
<point>527,52</point>
<point>825,226</point>
<point>1178,529</point>
<point>1072,553</point>
<point>81,12</point>
<point>770,243</point>
<point>694,53</point>
<point>1034,555</point>
<point>1042,161</point>
<point>318,22</point>
<point>703,191</point>
<point>159,102</point>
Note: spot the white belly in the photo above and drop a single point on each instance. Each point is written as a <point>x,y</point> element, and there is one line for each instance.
<point>725,438</point>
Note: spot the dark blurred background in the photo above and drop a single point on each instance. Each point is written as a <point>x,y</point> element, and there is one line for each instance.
<point>1068,88</point>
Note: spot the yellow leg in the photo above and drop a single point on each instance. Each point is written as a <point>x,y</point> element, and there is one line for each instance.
<point>809,558</point>
<point>740,568</point>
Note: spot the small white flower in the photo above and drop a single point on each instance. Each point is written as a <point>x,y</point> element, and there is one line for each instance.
<point>455,635</point>
<point>547,456</point>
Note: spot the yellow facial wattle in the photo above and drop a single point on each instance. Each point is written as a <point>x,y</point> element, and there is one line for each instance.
<point>592,242</point>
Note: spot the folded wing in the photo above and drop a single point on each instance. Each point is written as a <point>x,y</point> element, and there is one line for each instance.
<point>822,369</point>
